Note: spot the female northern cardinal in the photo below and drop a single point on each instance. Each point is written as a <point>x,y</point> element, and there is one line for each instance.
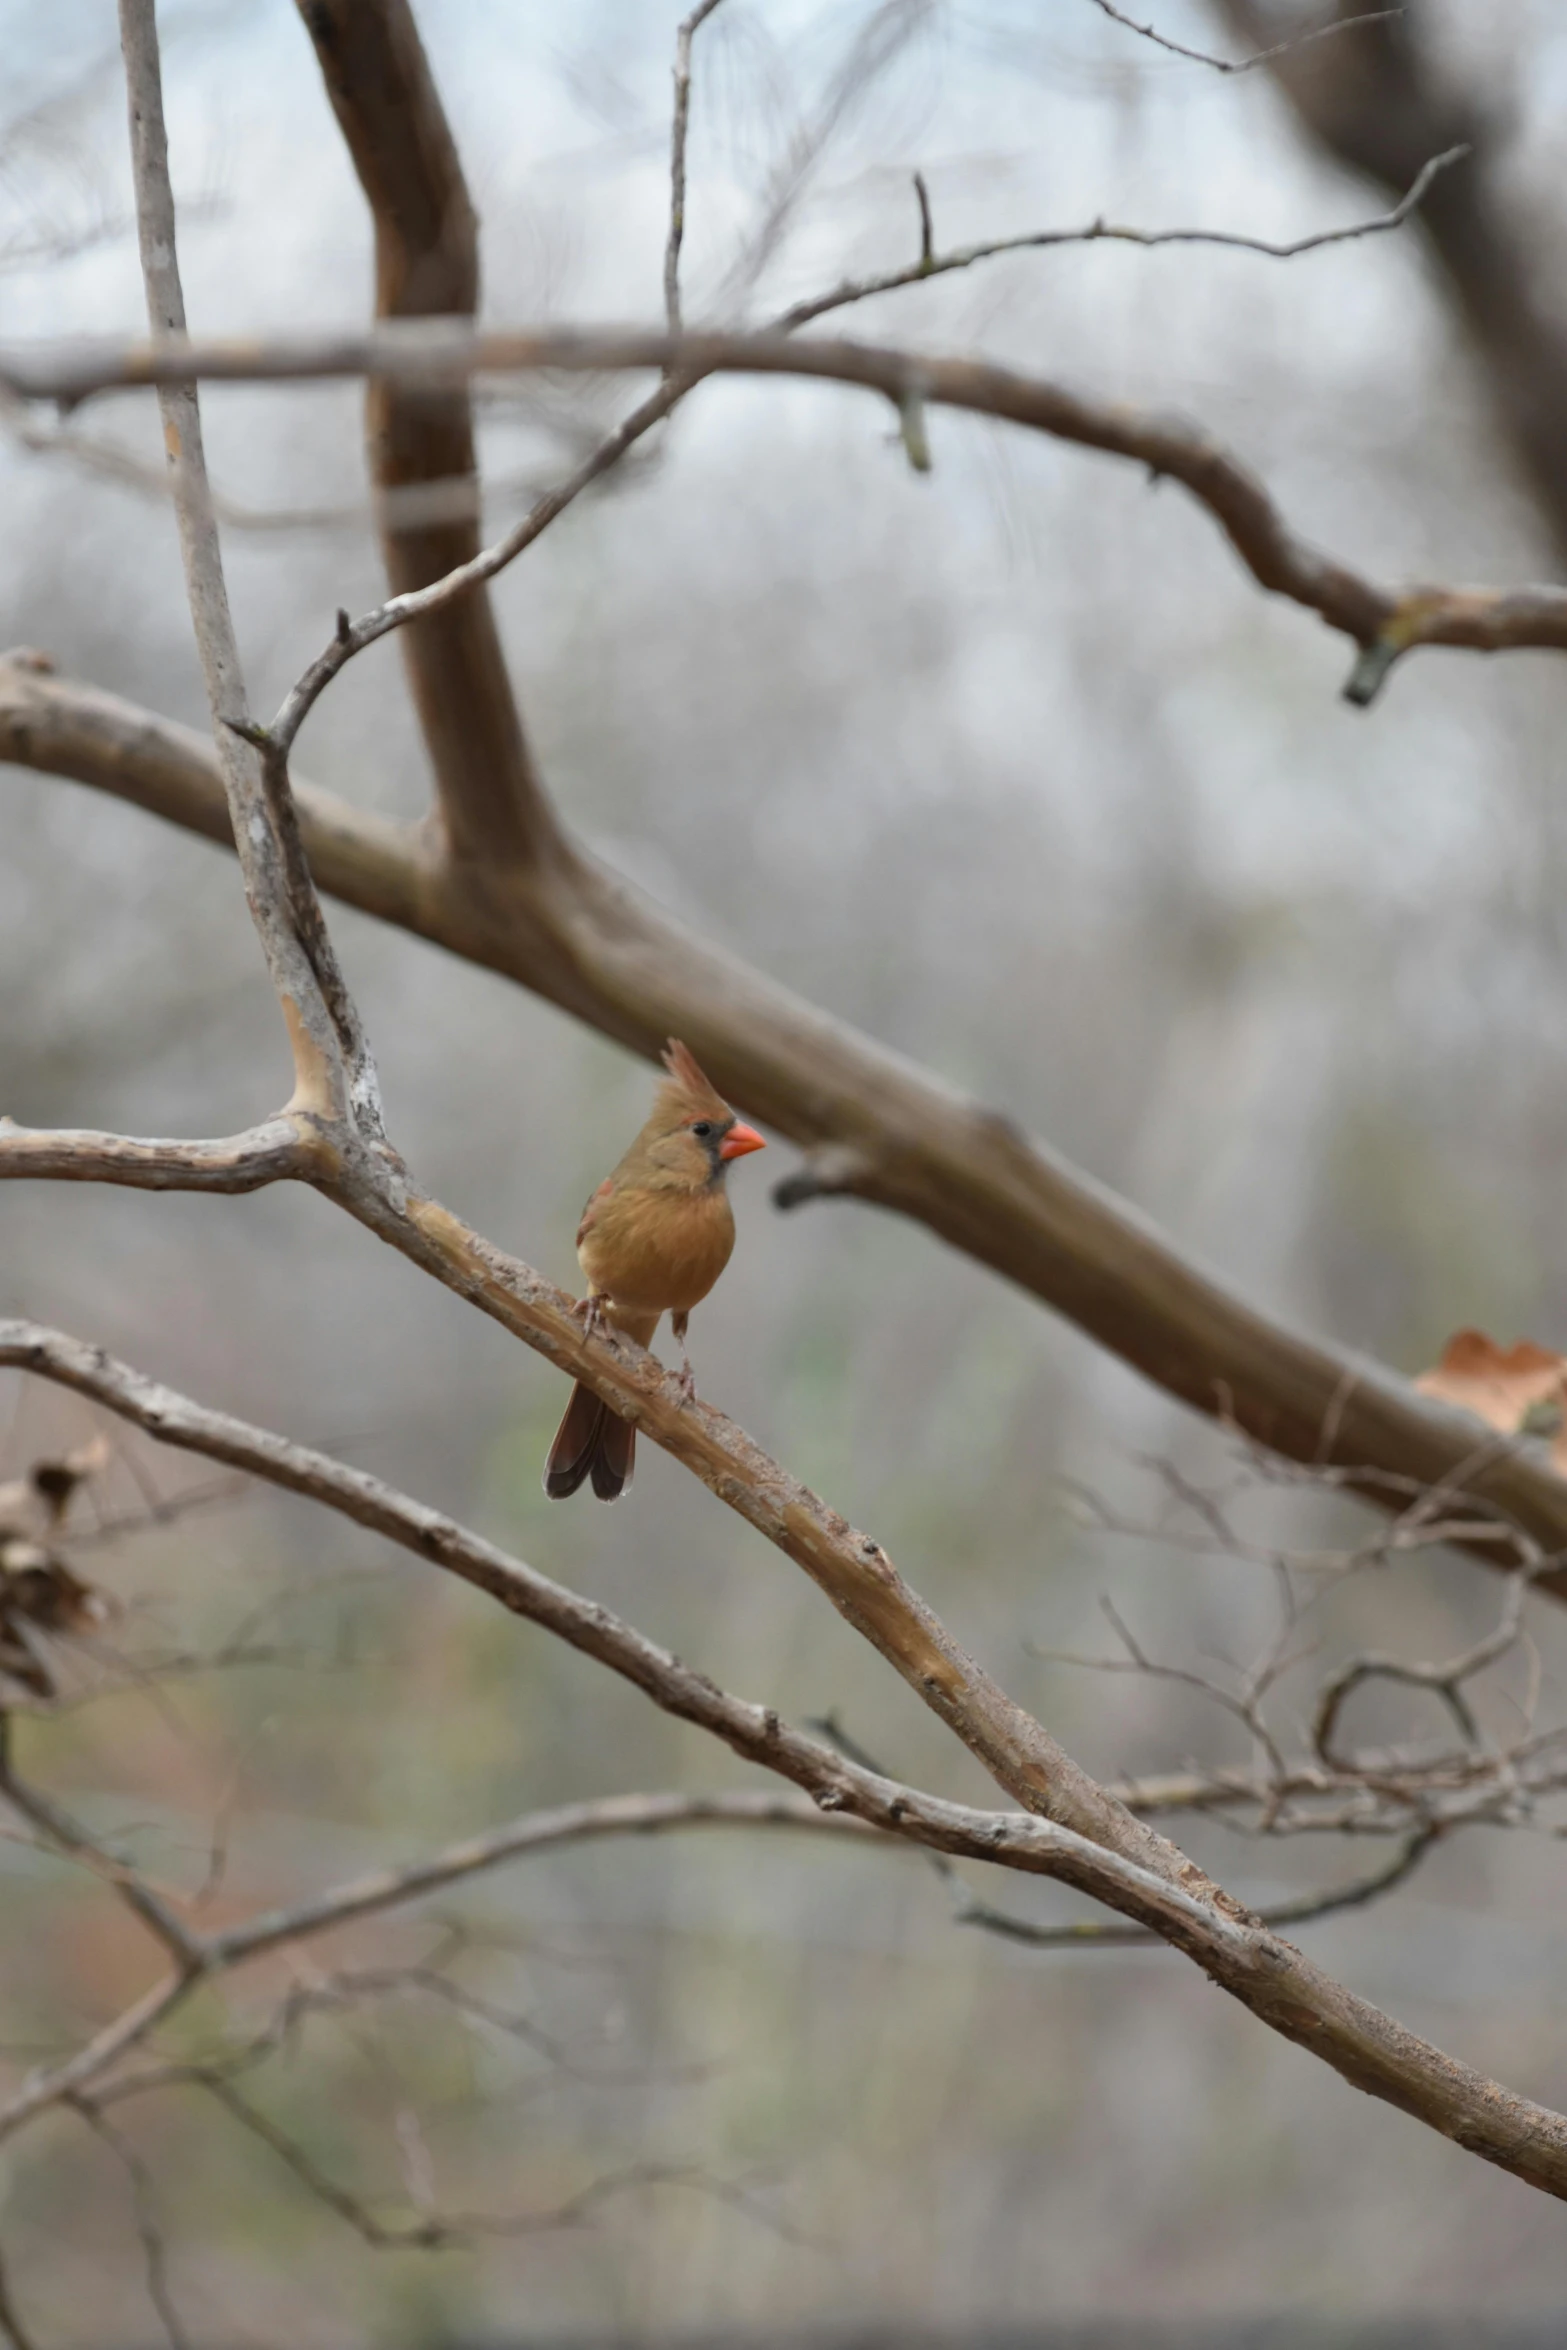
<point>653,1239</point>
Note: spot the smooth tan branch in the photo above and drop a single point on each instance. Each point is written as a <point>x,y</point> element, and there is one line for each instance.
<point>279,1150</point>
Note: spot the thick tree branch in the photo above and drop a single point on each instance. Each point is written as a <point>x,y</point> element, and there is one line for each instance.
<point>283,1148</point>
<point>427,265</point>
<point>1381,620</point>
<point>1267,1974</point>
<point>546,841</point>
<point>882,1130</point>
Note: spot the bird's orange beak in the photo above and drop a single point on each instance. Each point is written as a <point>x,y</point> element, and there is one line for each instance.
<point>739,1140</point>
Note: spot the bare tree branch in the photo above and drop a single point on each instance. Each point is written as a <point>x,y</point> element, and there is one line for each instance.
<point>1101,231</point>
<point>427,266</point>
<point>1443,1680</point>
<point>205,1956</point>
<point>1198,1794</point>
<point>689,27</point>
<point>880,1130</point>
<point>144,2202</point>
<point>1243,1956</point>
<point>353,637</point>
<point>855,1572</point>
<point>541,1831</point>
<point>55,2084</point>
<point>454,587</point>
<point>1265,1973</point>
<point>341,1994</point>
<point>1099,1934</point>
<point>58,1828</point>
<point>277,1150</point>
<point>430,2231</point>
<point>1342,24</point>
<point>1302,1779</point>
<point>1384,622</point>
<point>302,982</point>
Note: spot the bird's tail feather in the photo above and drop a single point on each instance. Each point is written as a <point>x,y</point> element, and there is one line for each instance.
<point>591,1441</point>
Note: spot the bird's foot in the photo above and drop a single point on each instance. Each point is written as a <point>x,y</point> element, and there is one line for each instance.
<point>590,1313</point>
<point>686,1382</point>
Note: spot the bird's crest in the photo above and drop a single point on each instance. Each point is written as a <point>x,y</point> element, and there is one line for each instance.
<point>686,1092</point>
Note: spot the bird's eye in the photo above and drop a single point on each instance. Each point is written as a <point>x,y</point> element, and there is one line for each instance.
<point>702,1128</point>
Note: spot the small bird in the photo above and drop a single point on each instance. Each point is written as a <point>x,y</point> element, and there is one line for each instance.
<point>652,1241</point>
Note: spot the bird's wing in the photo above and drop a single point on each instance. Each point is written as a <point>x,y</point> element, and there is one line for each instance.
<point>586,1225</point>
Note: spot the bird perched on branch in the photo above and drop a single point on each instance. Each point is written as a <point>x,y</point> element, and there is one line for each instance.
<point>653,1239</point>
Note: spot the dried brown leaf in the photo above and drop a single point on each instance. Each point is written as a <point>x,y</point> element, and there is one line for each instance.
<point>1502,1385</point>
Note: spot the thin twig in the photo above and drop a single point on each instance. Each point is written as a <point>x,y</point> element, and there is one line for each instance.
<point>1443,1680</point>
<point>58,1827</point>
<point>968,1909</point>
<point>1099,1934</point>
<point>144,2202</point>
<point>677,158</point>
<point>1325,32</point>
<point>353,636</point>
<point>1101,231</point>
<point>927,260</point>
<point>52,2084</point>
<point>572,1823</point>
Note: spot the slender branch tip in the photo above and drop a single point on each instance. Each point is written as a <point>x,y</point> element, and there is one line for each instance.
<point>1370,672</point>
<point>927,229</point>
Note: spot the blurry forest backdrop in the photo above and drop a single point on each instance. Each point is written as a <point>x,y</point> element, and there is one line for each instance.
<point>1011,766</point>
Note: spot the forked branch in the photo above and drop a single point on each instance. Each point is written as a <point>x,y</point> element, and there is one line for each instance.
<point>1266,1973</point>
<point>877,1128</point>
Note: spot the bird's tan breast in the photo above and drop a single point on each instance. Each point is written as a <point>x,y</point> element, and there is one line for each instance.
<point>654,1249</point>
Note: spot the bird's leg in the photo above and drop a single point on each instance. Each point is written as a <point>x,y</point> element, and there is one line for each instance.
<point>678,1324</point>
